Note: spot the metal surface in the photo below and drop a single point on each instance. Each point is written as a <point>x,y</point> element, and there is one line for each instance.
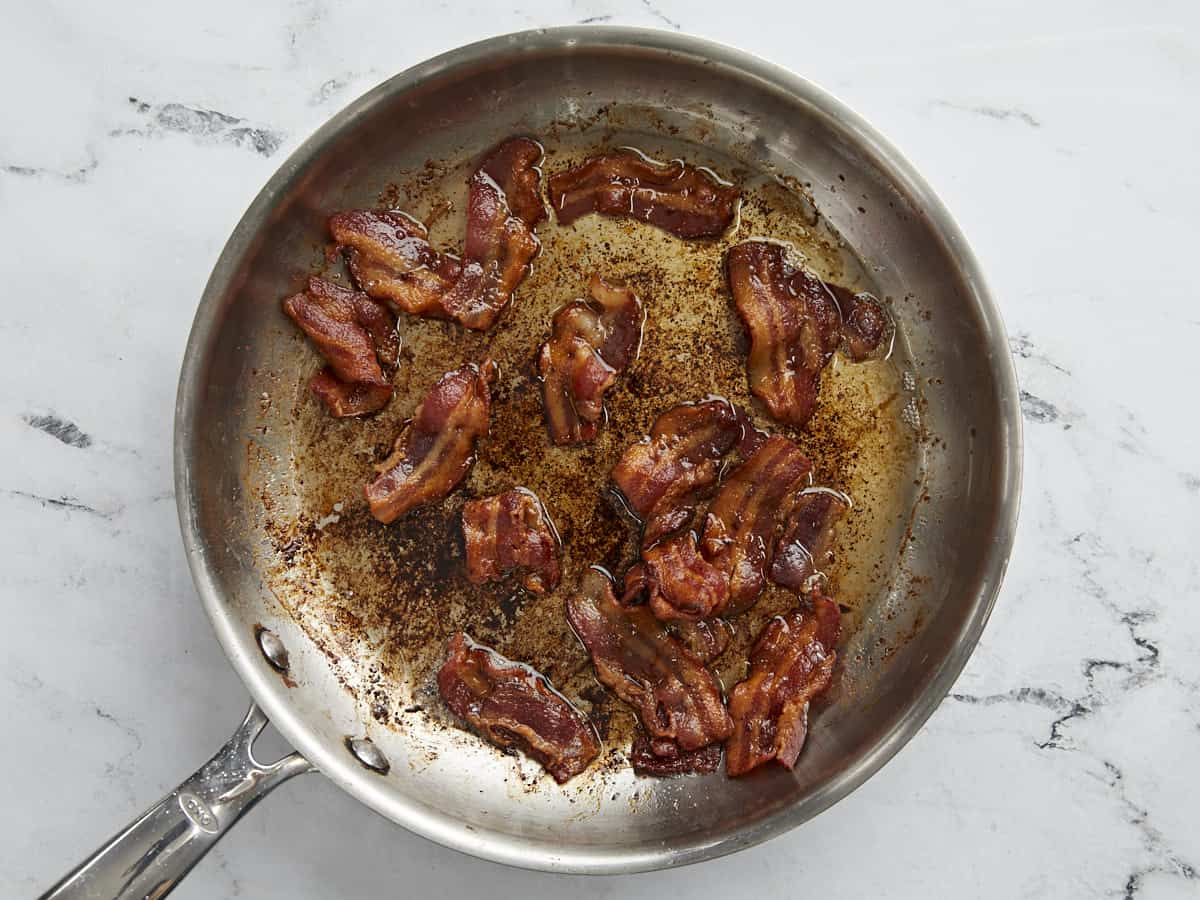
<point>948,560</point>
<point>149,857</point>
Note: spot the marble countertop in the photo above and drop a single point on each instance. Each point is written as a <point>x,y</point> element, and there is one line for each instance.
<point>1063,137</point>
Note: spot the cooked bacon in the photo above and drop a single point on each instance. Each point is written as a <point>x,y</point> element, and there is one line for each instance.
<point>790,664</point>
<point>676,697</point>
<point>864,323</point>
<point>807,542</point>
<point>793,324</point>
<point>592,343</point>
<point>681,762</point>
<point>663,476</point>
<point>707,639</point>
<point>437,446</point>
<point>513,706</point>
<point>687,201</point>
<point>391,259</point>
<point>343,398</point>
<point>390,256</point>
<point>354,333</point>
<point>507,532</point>
<point>744,518</point>
<point>680,584</point>
<point>513,165</point>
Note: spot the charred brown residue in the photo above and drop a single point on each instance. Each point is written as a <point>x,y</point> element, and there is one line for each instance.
<point>381,600</point>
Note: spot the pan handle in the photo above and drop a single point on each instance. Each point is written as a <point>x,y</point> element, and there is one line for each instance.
<point>150,857</point>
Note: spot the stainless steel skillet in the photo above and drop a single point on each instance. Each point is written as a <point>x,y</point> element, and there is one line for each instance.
<point>940,590</point>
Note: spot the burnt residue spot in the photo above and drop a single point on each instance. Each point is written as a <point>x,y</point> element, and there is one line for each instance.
<point>1035,409</point>
<point>61,429</point>
<point>206,124</point>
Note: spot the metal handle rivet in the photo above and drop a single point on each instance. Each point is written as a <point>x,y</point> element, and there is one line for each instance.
<point>272,648</point>
<point>368,754</point>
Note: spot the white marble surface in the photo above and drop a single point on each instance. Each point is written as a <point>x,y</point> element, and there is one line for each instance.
<point>1064,137</point>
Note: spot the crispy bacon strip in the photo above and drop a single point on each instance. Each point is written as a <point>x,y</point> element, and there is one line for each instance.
<point>686,201</point>
<point>864,323</point>
<point>507,532</point>
<point>390,256</point>
<point>682,762</point>
<point>790,664</point>
<point>391,259</point>
<point>513,706</point>
<point>680,584</point>
<point>343,398</point>
<point>354,333</point>
<point>513,166</point>
<point>676,697</point>
<point>707,639</point>
<point>593,342</point>
<point>745,516</point>
<point>793,324</point>
<point>807,542</point>
<point>663,476</point>
<point>436,449</point>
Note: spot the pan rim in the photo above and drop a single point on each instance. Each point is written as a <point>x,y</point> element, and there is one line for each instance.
<point>440,826</point>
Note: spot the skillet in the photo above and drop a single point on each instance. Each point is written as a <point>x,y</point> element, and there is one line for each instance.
<point>253,469</point>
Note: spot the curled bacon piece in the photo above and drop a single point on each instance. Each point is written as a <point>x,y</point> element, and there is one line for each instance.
<point>593,342</point>
<point>707,639</point>
<point>511,531</point>
<point>436,449</point>
<point>793,323</point>
<point>864,323</point>
<point>676,697</point>
<point>663,476</point>
<point>354,333</point>
<point>790,664</point>
<point>513,706</point>
<point>686,201</point>
<point>513,166</point>
<point>807,541</point>
<point>681,585</point>
<point>390,256</point>
<point>682,762</point>
<point>744,518</point>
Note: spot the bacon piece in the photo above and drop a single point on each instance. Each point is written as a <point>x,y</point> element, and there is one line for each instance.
<point>343,398</point>
<point>436,449</point>
<point>790,664</point>
<point>511,531</point>
<point>676,697</point>
<point>390,256</point>
<point>682,762</point>
<point>514,706</point>
<point>707,639</point>
<point>807,541</point>
<point>593,342</point>
<point>354,333</point>
<point>513,166</point>
<point>686,201</point>
<point>741,527</point>
<point>681,585</point>
<point>391,259</point>
<point>663,476</point>
<point>864,323</point>
<point>793,323</point>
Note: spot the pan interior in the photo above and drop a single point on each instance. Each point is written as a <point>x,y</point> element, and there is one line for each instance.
<point>274,485</point>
